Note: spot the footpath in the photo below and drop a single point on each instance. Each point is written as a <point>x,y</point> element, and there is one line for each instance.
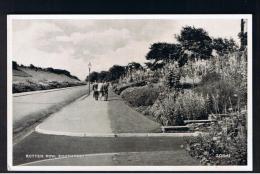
<point>88,117</point>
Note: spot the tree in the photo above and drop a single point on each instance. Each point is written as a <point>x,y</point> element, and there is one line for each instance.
<point>164,51</point>
<point>32,66</point>
<point>134,66</point>
<point>93,76</point>
<point>197,41</point>
<point>224,46</point>
<point>15,65</point>
<point>116,72</point>
<point>104,76</point>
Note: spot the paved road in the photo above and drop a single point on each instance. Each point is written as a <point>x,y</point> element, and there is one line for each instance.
<point>38,147</point>
<point>152,158</point>
<point>25,104</point>
<point>31,107</point>
<point>92,117</point>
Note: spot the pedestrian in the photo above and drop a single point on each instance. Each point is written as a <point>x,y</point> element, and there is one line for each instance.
<point>99,89</point>
<point>95,89</point>
<point>104,90</point>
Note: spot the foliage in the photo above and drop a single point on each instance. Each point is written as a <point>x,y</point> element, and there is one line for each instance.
<point>173,108</point>
<point>224,46</point>
<point>15,65</point>
<point>226,143</point>
<point>140,96</point>
<point>172,78</point>
<point>113,74</point>
<point>196,40</point>
<point>226,86</point>
<point>134,66</point>
<point>49,69</point>
<point>210,77</point>
<point>116,71</point>
<point>30,85</point>
<point>118,89</point>
<point>164,51</point>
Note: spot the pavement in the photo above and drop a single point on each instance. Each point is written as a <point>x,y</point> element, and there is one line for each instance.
<point>105,133</point>
<point>85,115</point>
<point>88,117</point>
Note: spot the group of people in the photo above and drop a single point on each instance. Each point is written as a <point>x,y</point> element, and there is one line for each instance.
<point>100,90</point>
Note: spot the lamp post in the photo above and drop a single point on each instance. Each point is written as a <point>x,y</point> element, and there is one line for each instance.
<point>89,68</point>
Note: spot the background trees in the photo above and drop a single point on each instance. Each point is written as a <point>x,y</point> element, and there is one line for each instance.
<point>192,44</point>
<point>114,73</point>
<point>197,41</point>
<point>163,51</point>
<point>224,46</point>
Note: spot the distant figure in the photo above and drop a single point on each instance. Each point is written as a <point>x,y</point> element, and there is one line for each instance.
<point>99,89</point>
<point>95,89</point>
<point>104,90</point>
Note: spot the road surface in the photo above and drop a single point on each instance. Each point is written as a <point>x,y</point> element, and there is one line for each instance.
<point>81,128</point>
<point>27,103</point>
<point>31,107</point>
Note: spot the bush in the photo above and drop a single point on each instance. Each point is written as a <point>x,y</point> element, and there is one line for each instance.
<point>210,77</point>
<point>140,96</point>
<point>222,94</point>
<point>173,108</point>
<point>30,85</point>
<point>227,137</point>
<point>118,89</point>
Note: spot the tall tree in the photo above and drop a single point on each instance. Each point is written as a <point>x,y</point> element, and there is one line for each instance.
<point>116,72</point>
<point>93,76</point>
<point>164,51</point>
<point>197,41</point>
<point>104,76</point>
<point>224,46</point>
<point>134,66</point>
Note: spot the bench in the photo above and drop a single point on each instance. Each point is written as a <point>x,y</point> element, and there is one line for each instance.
<point>198,121</point>
<point>175,128</point>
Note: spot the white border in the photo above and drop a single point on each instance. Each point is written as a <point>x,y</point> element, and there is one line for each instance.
<point>10,166</point>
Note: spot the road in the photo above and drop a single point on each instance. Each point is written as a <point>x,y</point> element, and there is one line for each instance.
<point>31,107</point>
<point>27,103</point>
<point>85,127</point>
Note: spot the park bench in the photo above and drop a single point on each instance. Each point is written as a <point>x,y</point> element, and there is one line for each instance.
<point>175,128</point>
<point>198,121</point>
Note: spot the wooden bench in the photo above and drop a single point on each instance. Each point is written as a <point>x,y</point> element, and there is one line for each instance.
<point>198,121</point>
<point>175,128</point>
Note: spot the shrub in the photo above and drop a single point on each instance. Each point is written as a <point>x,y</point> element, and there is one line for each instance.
<point>118,89</point>
<point>140,96</point>
<point>222,94</point>
<point>173,108</point>
<point>227,137</point>
<point>30,85</point>
<point>210,77</point>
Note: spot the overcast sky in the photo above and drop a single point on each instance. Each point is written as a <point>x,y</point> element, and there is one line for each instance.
<point>72,44</point>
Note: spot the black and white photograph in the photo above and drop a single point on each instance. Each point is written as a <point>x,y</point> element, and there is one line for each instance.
<point>129,92</point>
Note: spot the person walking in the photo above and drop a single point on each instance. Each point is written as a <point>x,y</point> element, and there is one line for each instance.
<point>105,90</point>
<point>99,89</point>
<point>95,89</point>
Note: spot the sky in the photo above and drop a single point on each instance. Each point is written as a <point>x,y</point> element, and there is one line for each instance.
<point>72,43</point>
